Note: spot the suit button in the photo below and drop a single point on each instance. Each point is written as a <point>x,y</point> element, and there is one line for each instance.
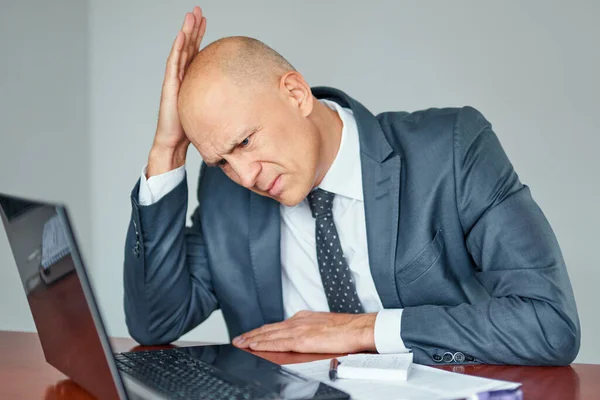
<point>136,246</point>
<point>448,357</point>
<point>469,358</point>
<point>437,358</point>
<point>459,357</point>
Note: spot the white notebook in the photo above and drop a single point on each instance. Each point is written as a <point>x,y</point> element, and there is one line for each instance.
<point>375,366</point>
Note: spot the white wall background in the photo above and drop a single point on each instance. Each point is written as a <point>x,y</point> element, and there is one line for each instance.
<point>531,68</point>
<point>44,134</point>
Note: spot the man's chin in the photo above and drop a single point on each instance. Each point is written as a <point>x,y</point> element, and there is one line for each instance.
<point>281,198</point>
<point>287,199</point>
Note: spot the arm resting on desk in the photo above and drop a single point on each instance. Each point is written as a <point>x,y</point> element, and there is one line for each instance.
<point>531,316</point>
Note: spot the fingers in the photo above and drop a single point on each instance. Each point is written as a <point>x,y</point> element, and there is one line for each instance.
<point>246,337</point>
<point>194,42</point>
<point>249,338</point>
<point>314,332</point>
<point>172,70</point>
<point>194,27</point>
<point>197,35</point>
<point>277,345</point>
<point>271,331</point>
<point>201,33</point>
<point>267,328</point>
<point>197,14</point>
<point>191,52</point>
<point>279,329</point>
<point>187,29</point>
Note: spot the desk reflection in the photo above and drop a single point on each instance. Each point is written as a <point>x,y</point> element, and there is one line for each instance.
<point>67,389</point>
<point>538,382</point>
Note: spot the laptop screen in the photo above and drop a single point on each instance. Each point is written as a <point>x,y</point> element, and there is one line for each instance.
<point>43,249</point>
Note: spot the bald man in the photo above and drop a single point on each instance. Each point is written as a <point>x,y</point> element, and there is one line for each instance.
<point>323,228</point>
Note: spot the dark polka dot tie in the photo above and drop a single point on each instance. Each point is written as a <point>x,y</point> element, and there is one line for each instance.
<point>335,274</point>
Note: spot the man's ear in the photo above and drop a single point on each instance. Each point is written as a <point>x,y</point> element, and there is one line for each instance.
<point>297,91</point>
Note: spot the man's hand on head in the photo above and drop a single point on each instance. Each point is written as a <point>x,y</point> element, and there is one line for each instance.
<point>170,142</point>
<point>314,332</point>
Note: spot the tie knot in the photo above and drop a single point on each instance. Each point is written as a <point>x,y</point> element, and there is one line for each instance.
<point>321,203</point>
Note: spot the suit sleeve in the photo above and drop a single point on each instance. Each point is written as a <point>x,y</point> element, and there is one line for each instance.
<point>168,288</point>
<point>531,316</point>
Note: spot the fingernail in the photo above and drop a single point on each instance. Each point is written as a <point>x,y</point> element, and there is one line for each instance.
<point>253,344</point>
<point>238,340</point>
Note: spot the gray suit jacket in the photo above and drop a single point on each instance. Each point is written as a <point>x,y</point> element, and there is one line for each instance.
<point>454,238</point>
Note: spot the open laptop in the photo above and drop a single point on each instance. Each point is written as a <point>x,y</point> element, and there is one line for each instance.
<point>74,341</point>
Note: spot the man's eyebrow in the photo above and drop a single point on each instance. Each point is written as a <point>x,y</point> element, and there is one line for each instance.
<point>239,138</point>
<point>235,142</point>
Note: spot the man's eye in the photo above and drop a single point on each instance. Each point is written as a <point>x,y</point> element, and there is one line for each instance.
<point>222,162</point>
<point>245,142</point>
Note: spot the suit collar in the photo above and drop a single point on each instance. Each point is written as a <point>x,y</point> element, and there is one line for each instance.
<point>372,140</point>
<point>345,176</point>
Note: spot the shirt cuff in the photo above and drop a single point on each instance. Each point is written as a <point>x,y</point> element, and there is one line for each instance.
<point>387,332</point>
<point>153,189</point>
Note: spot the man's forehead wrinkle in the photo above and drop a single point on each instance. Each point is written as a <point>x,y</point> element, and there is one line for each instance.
<point>204,144</point>
<point>234,141</point>
<point>212,155</point>
<point>213,144</point>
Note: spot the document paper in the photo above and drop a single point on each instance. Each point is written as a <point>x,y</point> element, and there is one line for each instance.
<point>423,383</point>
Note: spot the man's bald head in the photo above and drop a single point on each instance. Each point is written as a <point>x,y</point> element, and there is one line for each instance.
<point>246,62</point>
<point>230,70</point>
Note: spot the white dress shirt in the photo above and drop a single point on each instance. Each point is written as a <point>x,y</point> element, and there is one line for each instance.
<point>302,288</point>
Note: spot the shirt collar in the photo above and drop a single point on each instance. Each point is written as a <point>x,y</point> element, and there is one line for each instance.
<point>345,175</point>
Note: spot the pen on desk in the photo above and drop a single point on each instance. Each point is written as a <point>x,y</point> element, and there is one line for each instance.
<point>333,366</point>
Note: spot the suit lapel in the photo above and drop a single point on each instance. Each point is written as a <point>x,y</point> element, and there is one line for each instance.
<point>381,183</point>
<point>265,255</point>
<point>381,170</point>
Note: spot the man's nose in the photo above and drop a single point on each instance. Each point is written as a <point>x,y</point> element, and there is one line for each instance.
<point>247,171</point>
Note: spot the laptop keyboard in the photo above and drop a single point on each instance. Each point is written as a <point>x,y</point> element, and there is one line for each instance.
<point>181,376</point>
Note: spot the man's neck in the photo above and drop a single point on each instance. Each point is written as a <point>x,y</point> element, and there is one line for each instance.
<point>330,125</point>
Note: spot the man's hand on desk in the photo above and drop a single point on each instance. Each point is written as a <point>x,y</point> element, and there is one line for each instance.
<point>314,332</point>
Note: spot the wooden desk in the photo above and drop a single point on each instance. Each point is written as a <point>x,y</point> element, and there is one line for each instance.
<point>24,374</point>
